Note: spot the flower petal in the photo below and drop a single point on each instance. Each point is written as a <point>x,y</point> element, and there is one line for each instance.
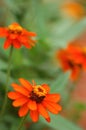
<point>32,34</point>
<point>3,32</point>
<point>13,36</point>
<point>34,115</point>
<point>75,73</point>
<point>52,107</point>
<point>20,89</point>
<point>20,102</point>
<point>7,43</point>
<point>14,95</point>
<point>26,84</point>
<point>23,110</point>
<point>26,44</point>
<point>43,111</point>
<point>16,44</point>
<point>52,97</point>
<point>27,33</point>
<point>32,105</point>
<point>32,42</point>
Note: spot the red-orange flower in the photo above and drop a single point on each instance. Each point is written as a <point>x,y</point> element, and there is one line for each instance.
<point>34,98</point>
<point>17,36</point>
<point>73,9</point>
<point>72,58</point>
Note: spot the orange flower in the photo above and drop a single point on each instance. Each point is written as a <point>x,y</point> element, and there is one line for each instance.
<point>72,58</point>
<point>34,98</point>
<point>73,9</point>
<point>17,36</point>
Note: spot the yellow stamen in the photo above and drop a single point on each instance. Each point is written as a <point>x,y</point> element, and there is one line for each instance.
<point>15,27</point>
<point>39,90</point>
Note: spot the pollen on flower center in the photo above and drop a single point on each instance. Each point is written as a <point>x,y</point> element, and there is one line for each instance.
<point>38,94</point>
<point>39,90</point>
<point>15,28</point>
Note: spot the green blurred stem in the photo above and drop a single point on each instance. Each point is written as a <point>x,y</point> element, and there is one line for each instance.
<point>22,122</point>
<point>7,83</point>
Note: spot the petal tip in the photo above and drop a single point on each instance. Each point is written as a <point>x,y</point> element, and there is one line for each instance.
<point>48,119</point>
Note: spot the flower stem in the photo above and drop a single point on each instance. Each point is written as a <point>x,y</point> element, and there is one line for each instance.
<point>7,82</point>
<point>21,123</point>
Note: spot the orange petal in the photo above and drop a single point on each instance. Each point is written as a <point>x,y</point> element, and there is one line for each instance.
<point>32,105</point>
<point>20,102</point>
<point>84,64</point>
<point>75,73</point>
<point>33,83</point>
<point>23,110</point>
<point>46,87</point>
<point>14,95</point>
<point>32,34</point>
<point>16,44</point>
<point>52,97</point>
<point>52,107</point>
<point>7,43</point>
<point>23,39</point>
<point>26,44</point>
<point>32,42</point>
<point>34,115</point>
<point>43,111</point>
<point>3,32</point>
<point>48,119</point>
<point>12,36</point>
<point>27,33</point>
<point>20,89</point>
<point>26,84</point>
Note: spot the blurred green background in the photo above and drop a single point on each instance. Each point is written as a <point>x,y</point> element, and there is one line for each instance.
<point>55,27</point>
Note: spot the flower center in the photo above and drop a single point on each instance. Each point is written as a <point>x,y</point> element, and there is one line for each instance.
<point>38,94</point>
<point>71,64</point>
<point>15,28</point>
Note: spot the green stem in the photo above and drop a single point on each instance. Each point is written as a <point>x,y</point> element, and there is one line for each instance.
<point>21,123</point>
<point>7,82</point>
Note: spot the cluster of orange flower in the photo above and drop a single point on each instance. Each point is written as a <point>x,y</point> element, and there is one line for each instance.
<point>33,98</point>
<point>36,98</point>
<point>72,58</point>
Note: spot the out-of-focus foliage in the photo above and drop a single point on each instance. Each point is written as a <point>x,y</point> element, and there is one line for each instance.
<point>53,32</point>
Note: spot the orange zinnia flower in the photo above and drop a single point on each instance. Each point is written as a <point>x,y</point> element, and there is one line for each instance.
<point>34,98</point>
<point>17,36</point>
<point>73,9</point>
<point>72,58</point>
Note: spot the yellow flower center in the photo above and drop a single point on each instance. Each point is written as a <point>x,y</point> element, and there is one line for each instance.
<point>15,28</point>
<point>38,94</point>
<point>39,90</point>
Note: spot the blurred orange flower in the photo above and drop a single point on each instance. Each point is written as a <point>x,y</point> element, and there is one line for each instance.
<point>34,98</point>
<point>17,36</point>
<point>72,58</point>
<point>73,9</point>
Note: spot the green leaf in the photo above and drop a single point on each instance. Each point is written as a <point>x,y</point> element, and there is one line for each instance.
<point>60,83</point>
<point>3,126</point>
<point>75,30</point>
<point>66,31</point>
<point>60,123</point>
